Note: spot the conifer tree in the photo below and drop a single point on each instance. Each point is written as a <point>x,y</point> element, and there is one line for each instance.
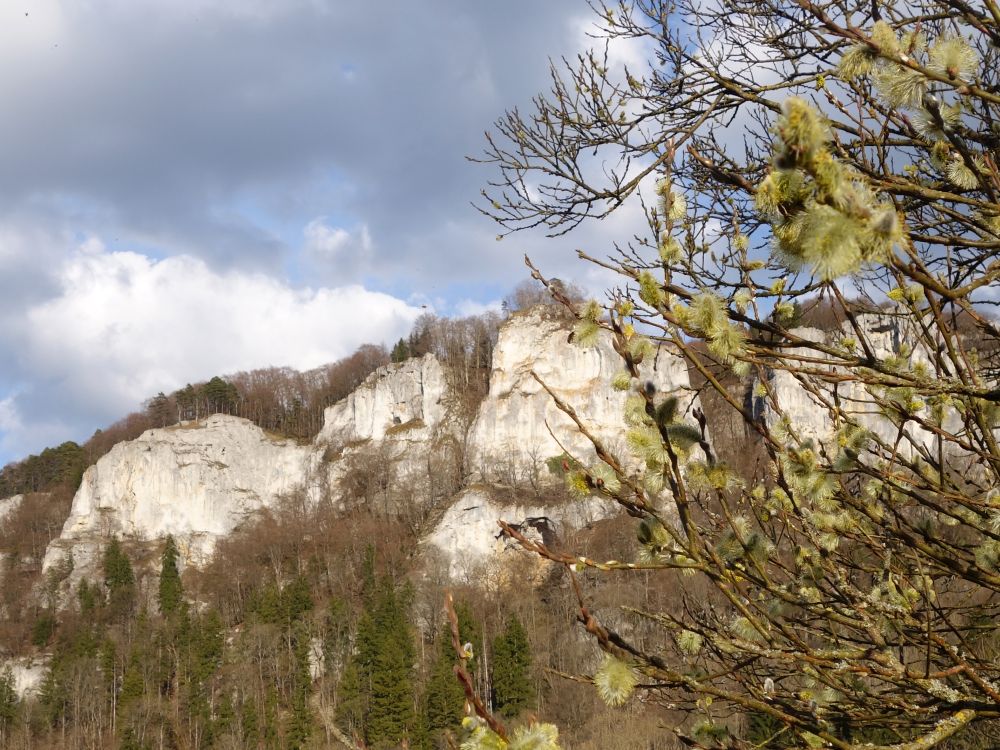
<point>513,691</point>
<point>170,592</point>
<point>400,352</point>
<point>119,578</point>
<point>444,698</point>
<point>272,737</point>
<point>159,410</point>
<point>392,715</point>
<point>300,719</point>
<point>377,692</point>
<point>86,595</point>
<point>8,703</point>
<point>43,629</point>
<point>133,683</point>
<point>249,721</point>
<point>352,699</point>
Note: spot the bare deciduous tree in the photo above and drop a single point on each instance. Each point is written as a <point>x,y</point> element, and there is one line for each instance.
<point>786,154</point>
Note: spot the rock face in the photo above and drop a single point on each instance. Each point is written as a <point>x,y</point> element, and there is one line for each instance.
<point>513,432</point>
<point>8,505</point>
<point>470,538</point>
<point>810,418</point>
<point>197,481</point>
<point>27,673</point>
<point>395,424</point>
<point>408,397</point>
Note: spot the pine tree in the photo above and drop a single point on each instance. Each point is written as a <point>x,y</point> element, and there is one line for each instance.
<point>249,721</point>
<point>159,410</point>
<point>444,698</point>
<point>187,403</point>
<point>512,688</point>
<point>86,595</point>
<point>392,715</point>
<point>133,684</point>
<point>272,738</point>
<point>118,578</point>
<point>8,703</point>
<point>352,695</point>
<point>295,601</point>
<point>43,629</point>
<point>400,352</point>
<point>171,592</point>
<point>376,692</point>
<point>117,568</point>
<point>220,396</point>
<point>204,646</point>
<point>300,719</point>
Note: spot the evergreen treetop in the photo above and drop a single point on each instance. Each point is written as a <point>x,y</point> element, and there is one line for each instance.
<point>171,592</point>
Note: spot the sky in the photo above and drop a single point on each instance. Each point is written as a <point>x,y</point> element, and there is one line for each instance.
<point>191,188</point>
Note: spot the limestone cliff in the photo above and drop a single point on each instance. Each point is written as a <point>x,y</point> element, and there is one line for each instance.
<point>519,425</point>
<point>471,541</point>
<point>398,399</point>
<point>8,505</point>
<point>807,408</point>
<point>199,481</point>
<point>398,423</point>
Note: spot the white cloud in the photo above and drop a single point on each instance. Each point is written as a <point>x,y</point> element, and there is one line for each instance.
<point>336,243</point>
<point>123,327</point>
<point>467,307</point>
<point>631,53</point>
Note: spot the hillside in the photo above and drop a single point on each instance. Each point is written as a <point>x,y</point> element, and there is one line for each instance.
<point>281,541</point>
<point>403,479</point>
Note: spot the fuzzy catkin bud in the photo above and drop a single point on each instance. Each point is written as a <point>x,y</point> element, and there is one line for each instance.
<point>650,290</point>
<point>857,62</point>
<point>689,642</point>
<point>802,129</point>
<point>535,737</point>
<point>885,37</point>
<point>952,56</point>
<point>960,175</point>
<point>615,681</point>
<point>670,248</point>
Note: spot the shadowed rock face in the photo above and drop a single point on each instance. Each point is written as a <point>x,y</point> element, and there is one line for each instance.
<point>199,481</point>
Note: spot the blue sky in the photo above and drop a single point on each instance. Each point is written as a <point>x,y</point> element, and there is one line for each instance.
<point>190,188</point>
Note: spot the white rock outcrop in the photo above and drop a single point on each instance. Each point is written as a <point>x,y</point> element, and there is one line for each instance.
<point>27,673</point>
<point>513,431</point>
<point>395,423</point>
<point>8,505</point>
<point>408,397</point>
<point>196,481</point>
<point>469,536</point>
<point>810,418</point>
